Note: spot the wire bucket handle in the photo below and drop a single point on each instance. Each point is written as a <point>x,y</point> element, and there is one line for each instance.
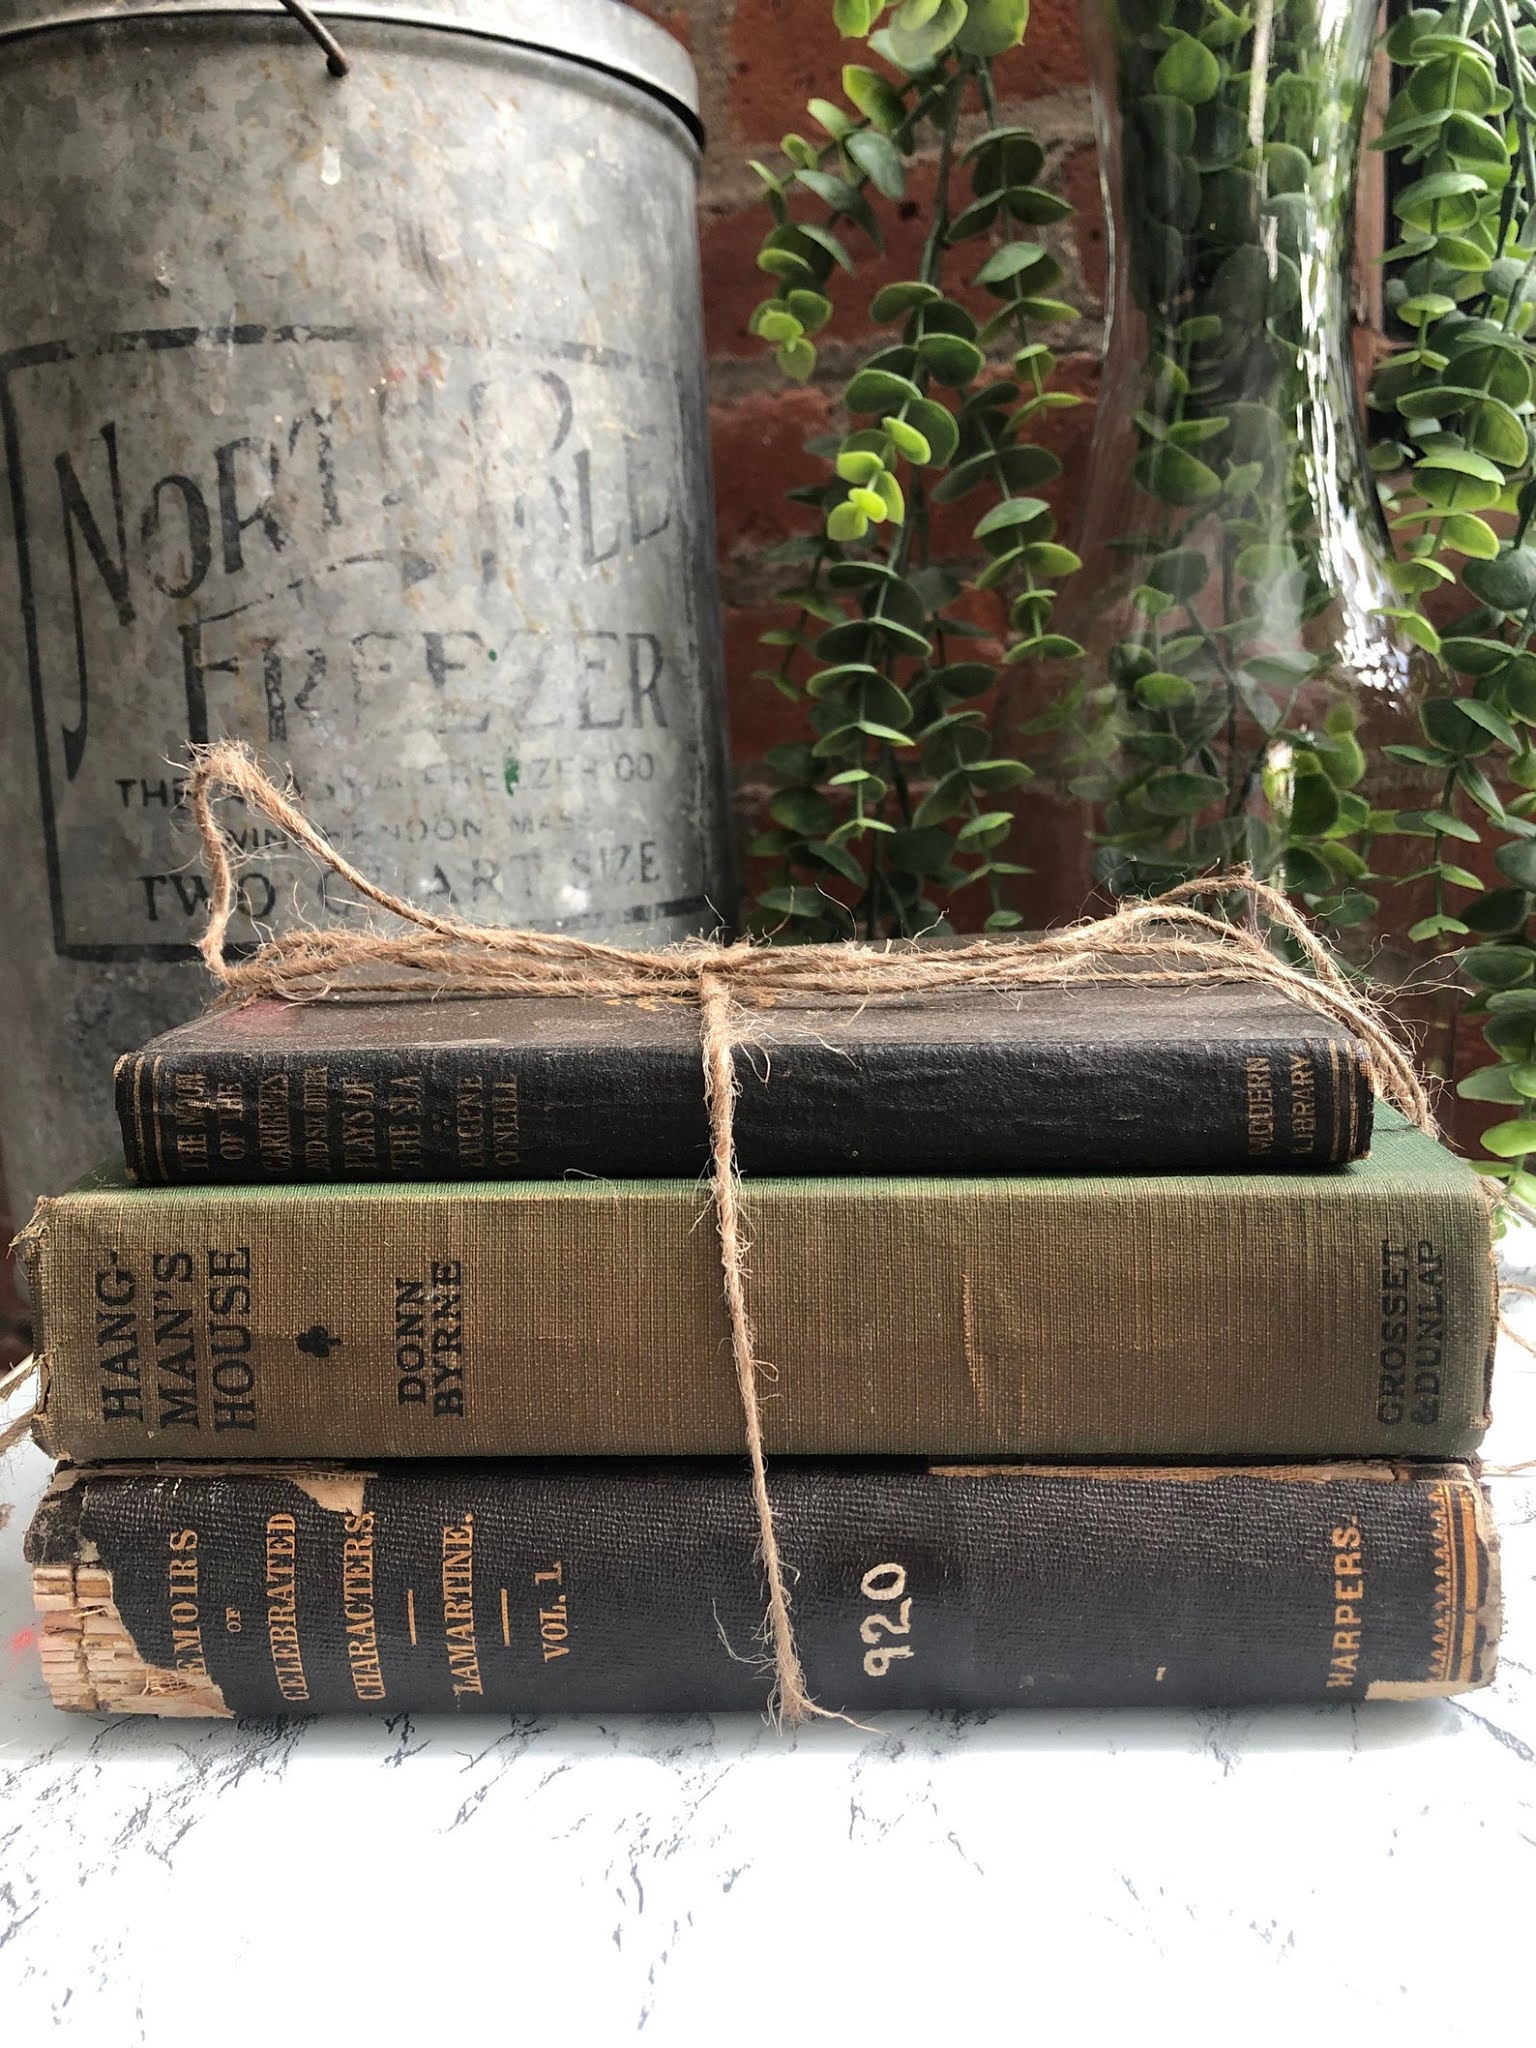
<point>337,62</point>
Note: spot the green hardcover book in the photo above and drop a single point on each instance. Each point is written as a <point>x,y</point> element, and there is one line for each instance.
<point>1219,1315</point>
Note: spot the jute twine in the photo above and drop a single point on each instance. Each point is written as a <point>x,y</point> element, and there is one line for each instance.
<point>1167,942</point>
<point>9,1381</point>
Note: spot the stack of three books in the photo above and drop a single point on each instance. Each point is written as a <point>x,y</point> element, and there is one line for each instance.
<point>1116,1349</point>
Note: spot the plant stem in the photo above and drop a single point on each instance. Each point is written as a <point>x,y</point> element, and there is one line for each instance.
<point>930,271</point>
<point>988,91</point>
<point>1521,111</point>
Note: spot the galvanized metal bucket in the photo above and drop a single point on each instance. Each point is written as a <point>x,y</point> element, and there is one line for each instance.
<point>363,419</point>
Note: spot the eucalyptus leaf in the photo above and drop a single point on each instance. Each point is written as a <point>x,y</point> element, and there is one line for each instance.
<point>880,161</point>
<point>1499,911</point>
<point>1012,261</point>
<point>1469,535</point>
<point>793,901</point>
<point>892,300</point>
<point>1489,1084</point>
<point>805,811</point>
<point>1512,1140</point>
<point>1049,558</point>
<point>1176,476</point>
<point>1187,71</point>
<point>874,97</point>
<point>1018,467</point>
<point>1307,872</point>
<point>1507,582</point>
<point>1499,967</point>
<point>1491,720</point>
<point>918,35</point>
<point>1181,793</point>
<point>936,424</point>
<point>1459,479</point>
<point>836,856</point>
<point>1163,690</point>
<point>908,441</point>
<point>1493,429</point>
<point>1003,156</point>
<point>1434,927</point>
<point>1181,573</point>
<point>949,358</point>
<point>879,391</point>
<point>1012,512</point>
<point>992,26</point>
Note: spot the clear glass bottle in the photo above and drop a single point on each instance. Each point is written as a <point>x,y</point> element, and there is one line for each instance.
<point>1234,604</point>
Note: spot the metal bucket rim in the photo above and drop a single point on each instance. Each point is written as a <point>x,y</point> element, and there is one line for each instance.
<point>600,35</point>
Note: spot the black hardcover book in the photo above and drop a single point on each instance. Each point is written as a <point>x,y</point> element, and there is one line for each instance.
<point>636,1586</point>
<point>1093,1078</point>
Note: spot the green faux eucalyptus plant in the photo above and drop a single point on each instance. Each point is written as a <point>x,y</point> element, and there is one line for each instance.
<point>890,804</point>
<point>1458,472</point>
<point>1237,609</point>
<point>1221,726</point>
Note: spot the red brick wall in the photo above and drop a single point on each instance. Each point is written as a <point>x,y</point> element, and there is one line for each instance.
<point>758,63</point>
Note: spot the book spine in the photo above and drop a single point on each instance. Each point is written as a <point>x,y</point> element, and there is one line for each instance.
<point>1261,1315</point>
<point>592,1589</point>
<point>501,1112</point>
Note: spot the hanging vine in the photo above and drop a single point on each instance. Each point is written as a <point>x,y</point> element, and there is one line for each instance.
<point>1222,729</point>
<point>890,806</point>
<point>1459,477</point>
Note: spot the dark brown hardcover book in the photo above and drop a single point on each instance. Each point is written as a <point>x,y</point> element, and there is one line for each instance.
<point>1347,1313</point>
<point>635,1587</point>
<point>1100,1078</point>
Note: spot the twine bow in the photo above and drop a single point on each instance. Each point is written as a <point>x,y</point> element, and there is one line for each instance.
<point>1166,941</point>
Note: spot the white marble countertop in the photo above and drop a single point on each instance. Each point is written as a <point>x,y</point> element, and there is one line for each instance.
<point>1085,1876</point>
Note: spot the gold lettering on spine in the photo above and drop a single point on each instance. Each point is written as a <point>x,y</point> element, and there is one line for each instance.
<point>359,1139</point>
<point>1303,1105</point>
<point>119,1357</point>
<point>506,1124</point>
<point>182,1587</point>
<point>205,1119</point>
<point>1348,1606</point>
<point>175,1336</point>
<point>230,1338</point>
<point>315,1102</point>
<point>555,1616</point>
<point>283,1607</point>
<point>1261,1106</point>
<point>274,1141</point>
<point>404,1114</point>
<point>469,1121</point>
<point>189,1132</point>
<point>459,1606</point>
<point>357,1607</point>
